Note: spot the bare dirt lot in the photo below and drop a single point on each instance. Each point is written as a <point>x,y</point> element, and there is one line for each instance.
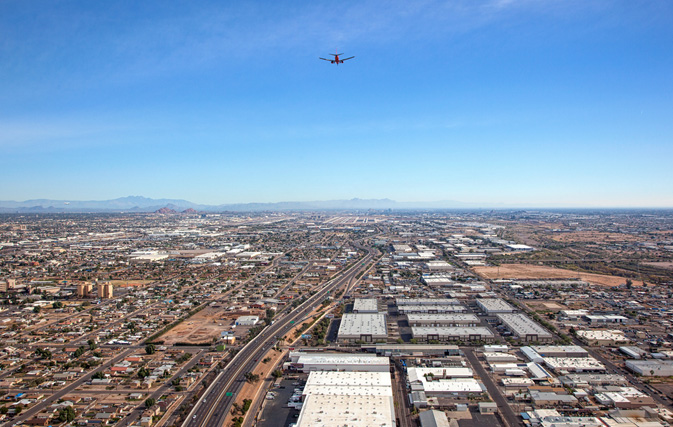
<point>524,271</point>
<point>200,328</point>
<point>666,265</point>
<point>594,237</point>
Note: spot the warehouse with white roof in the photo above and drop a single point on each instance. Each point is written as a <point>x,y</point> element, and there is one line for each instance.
<point>431,309</point>
<point>448,319</point>
<point>443,381</point>
<point>366,327</point>
<point>452,333</point>
<point>365,305</point>
<point>524,328</point>
<point>361,362</point>
<point>426,301</point>
<point>494,305</point>
<point>338,399</point>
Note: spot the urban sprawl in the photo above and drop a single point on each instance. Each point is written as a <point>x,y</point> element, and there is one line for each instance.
<point>372,318</point>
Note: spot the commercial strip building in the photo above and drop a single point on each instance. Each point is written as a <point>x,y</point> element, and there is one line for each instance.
<point>366,327</point>
<point>524,328</point>
<point>449,319</point>
<point>337,399</point>
<point>492,306</point>
<point>455,333</point>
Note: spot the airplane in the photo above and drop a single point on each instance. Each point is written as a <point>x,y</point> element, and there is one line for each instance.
<point>336,59</point>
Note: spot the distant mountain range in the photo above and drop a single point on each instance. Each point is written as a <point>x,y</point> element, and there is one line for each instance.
<point>144,204</point>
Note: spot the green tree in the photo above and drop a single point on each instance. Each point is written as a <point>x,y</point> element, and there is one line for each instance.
<point>36,309</point>
<point>150,349</point>
<point>150,402</point>
<point>67,414</point>
<point>251,378</point>
<point>143,372</point>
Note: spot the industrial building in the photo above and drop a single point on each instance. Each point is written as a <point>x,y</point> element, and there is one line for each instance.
<point>492,306</point>
<point>605,319</point>
<point>431,309</point>
<point>455,333</point>
<point>524,328</point>
<point>414,349</point>
<point>560,351</point>
<point>452,319</point>
<point>426,301</point>
<point>574,364</point>
<point>361,362</point>
<point>602,337</point>
<point>365,305</point>
<point>433,418</point>
<point>443,381</point>
<point>336,399</point>
<point>366,327</point>
<point>247,321</point>
<point>651,368</point>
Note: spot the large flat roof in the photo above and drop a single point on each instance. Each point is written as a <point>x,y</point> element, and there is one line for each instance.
<point>494,305</point>
<point>356,324</point>
<point>337,399</point>
<point>354,359</point>
<point>451,331</point>
<point>346,411</point>
<point>426,301</point>
<point>446,308</point>
<point>365,305</point>
<point>442,317</point>
<point>522,325</point>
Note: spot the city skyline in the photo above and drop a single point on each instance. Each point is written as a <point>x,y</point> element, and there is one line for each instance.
<point>498,103</point>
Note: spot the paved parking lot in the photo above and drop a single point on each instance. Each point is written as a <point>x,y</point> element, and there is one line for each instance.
<point>275,412</point>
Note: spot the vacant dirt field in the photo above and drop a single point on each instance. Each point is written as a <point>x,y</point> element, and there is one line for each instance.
<point>201,327</point>
<point>666,265</point>
<point>524,271</point>
<point>594,237</point>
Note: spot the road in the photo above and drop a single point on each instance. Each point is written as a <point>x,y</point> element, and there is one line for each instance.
<point>69,388</point>
<point>506,412</point>
<point>623,372</point>
<point>211,410</point>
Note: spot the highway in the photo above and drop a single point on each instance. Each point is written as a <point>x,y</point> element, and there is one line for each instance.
<point>211,410</point>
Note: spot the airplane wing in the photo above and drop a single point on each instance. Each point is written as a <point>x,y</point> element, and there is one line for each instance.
<point>346,59</point>
<point>324,59</point>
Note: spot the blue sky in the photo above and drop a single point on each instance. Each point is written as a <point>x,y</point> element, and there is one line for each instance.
<point>495,102</point>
